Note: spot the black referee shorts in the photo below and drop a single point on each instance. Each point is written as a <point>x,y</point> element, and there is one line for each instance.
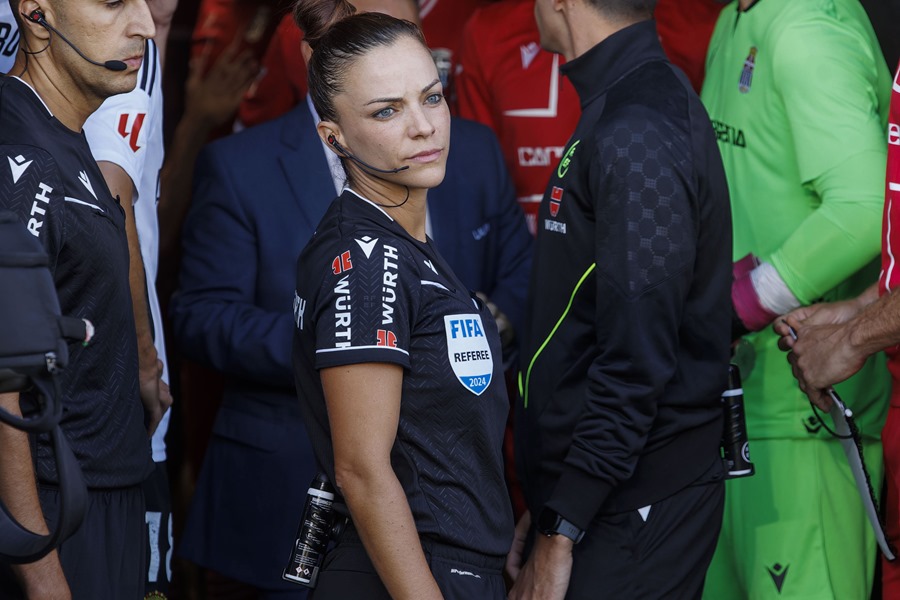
<point>105,558</point>
<point>460,574</point>
<point>662,551</point>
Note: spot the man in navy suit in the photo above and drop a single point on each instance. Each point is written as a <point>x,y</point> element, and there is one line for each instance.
<point>258,198</point>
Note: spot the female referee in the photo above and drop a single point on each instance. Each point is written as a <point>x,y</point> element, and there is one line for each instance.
<point>397,364</point>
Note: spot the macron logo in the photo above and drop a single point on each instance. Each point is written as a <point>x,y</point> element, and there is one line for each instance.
<point>367,244</point>
<point>778,573</point>
<point>18,166</point>
<point>83,178</point>
<point>529,53</point>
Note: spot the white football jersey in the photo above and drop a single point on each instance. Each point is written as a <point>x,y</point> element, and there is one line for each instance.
<point>9,38</point>
<point>127,130</point>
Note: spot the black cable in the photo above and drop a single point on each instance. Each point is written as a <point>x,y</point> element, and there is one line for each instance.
<point>28,52</point>
<point>827,428</point>
<point>405,200</point>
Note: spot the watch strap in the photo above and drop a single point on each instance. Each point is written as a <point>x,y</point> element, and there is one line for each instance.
<point>552,523</point>
<point>570,530</point>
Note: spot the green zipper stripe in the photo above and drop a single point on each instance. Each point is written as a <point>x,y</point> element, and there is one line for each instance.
<point>552,333</point>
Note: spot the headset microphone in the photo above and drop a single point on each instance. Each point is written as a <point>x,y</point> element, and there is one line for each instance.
<point>333,141</point>
<point>36,16</point>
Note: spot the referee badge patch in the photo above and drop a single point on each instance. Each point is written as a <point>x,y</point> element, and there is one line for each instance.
<point>469,352</point>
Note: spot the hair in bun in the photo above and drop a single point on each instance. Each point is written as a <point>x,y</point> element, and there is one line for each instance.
<point>315,17</point>
<point>338,37</point>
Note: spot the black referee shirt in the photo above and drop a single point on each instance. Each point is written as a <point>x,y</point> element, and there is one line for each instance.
<point>369,292</point>
<point>49,178</point>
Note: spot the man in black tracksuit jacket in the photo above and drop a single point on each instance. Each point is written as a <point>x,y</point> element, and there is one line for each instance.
<point>626,347</point>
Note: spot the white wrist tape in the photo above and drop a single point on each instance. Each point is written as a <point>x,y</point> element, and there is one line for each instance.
<point>771,290</point>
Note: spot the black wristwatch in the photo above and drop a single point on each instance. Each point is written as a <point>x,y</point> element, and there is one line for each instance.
<point>551,523</point>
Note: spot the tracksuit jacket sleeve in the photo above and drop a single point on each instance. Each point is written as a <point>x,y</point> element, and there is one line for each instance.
<point>645,245</point>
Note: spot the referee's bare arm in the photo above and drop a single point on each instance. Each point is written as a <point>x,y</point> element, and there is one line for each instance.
<point>363,413</point>
<point>44,578</point>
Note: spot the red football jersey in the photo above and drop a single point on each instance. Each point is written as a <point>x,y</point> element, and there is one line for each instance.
<point>442,24</point>
<point>283,82</point>
<point>890,240</point>
<point>685,28</point>
<point>443,20</point>
<point>506,81</point>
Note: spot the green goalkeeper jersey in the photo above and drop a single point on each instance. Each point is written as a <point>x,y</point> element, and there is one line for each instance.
<point>798,93</point>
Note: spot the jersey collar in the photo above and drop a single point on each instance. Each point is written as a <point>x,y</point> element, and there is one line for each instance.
<point>34,91</point>
<point>599,68</point>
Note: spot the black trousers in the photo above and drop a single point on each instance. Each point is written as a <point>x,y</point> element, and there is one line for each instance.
<point>460,574</point>
<point>662,551</point>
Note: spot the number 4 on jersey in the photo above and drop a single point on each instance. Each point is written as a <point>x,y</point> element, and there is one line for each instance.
<point>130,128</point>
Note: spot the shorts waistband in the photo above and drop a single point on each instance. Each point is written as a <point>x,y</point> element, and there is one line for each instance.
<point>54,487</point>
<point>436,549</point>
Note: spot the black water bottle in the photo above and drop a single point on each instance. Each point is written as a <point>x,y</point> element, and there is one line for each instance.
<point>312,535</point>
<point>735,443</point>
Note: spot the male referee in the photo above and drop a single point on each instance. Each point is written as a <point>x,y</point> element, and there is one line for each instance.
<point>50,179</point>
<point>626,353</point>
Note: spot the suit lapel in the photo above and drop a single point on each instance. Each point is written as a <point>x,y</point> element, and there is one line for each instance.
<point>446,205</point>
<point>305,168</point>
<point>443,209</point>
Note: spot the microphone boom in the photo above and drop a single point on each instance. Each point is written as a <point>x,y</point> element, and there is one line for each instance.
<point>333,141</point>
<point>37,16</point>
